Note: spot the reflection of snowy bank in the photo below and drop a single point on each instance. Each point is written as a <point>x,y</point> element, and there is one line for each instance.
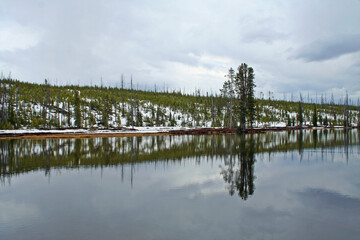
<point>73,151</point>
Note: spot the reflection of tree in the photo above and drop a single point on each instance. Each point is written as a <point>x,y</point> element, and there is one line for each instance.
<point>300,143</point>
<point>239,174</point>
<point>315,138</point>
<point>21,156</point>
<point>228,174</point>
<point>346,144</point>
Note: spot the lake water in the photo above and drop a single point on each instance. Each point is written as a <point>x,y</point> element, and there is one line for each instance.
<point>283,185</point>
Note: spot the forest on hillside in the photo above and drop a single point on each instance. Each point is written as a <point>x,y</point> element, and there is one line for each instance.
<point>43,106</point>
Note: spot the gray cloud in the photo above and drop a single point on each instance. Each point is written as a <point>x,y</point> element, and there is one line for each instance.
<point>181,44</point>
<point>329,48</point>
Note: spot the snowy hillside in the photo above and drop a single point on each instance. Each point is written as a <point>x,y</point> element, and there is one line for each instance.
<point>33,106</point>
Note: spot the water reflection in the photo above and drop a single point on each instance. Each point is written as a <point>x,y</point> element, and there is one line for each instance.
<point>182,187</point>
<point>238,171</point>
<point>237,153</point>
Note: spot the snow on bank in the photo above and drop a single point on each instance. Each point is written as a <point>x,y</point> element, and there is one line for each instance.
<point>88,131</point>
<point>270,124</point>
<point>125,130</point>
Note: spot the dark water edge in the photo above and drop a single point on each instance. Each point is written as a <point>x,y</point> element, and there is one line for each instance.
<point>288,185</point>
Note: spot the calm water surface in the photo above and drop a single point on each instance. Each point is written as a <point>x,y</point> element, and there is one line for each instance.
<point>287,185</point>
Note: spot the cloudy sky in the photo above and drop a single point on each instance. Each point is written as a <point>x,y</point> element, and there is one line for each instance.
<point>305,45</point>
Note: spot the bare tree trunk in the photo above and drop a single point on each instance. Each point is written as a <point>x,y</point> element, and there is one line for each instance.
<point>346,110</point>
<point>122,96</point>
<point>132,105</point>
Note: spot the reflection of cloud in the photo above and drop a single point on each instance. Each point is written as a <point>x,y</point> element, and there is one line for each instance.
<point>325,215</point>
<point>322,199</point>
<point>198,185</point>
<point>11,211</point>
<point>195,179</point>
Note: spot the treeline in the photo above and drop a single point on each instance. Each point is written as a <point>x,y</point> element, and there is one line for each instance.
<point>45,106</point>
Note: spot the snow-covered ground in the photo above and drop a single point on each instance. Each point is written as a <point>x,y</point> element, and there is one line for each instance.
<point>97,131</point>
<point>146,114</point>
<point>125,130</point>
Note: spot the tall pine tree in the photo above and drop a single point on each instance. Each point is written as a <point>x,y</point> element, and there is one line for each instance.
<point>228,94</point>
<point>300,114</point>
<point>244,85</point>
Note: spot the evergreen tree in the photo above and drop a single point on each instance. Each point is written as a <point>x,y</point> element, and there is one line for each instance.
<point>332,108</point>
<point>11,103</point>
<point>68,114</point>
<point>131,104</point>
<point>118,120</point>
<point>3,100</point>
<point>92,120</point>
<point>46,104</point>
<point>213,113</point>
<point>157,116</point>
<point>58,110</point>
<point>250,97</point>
<point>122,97</point>
<point>288,121</point>
<point>139,117</point>
<point>300,113</point>
<point>228,93</point>
<point>245,93</point>
<point>105,111</point>
<point>326,121</point>
<point>77,110</point>
<point>315,118</point>
<point>358,115</point>
<point>172,121</point>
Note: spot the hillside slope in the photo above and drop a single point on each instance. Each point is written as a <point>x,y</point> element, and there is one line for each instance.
<point>30,106</point>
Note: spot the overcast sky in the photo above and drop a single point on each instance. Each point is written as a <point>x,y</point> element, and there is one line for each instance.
<point>306,45</point>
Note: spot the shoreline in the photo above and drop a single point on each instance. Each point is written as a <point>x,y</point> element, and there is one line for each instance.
<point>126,132</point>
